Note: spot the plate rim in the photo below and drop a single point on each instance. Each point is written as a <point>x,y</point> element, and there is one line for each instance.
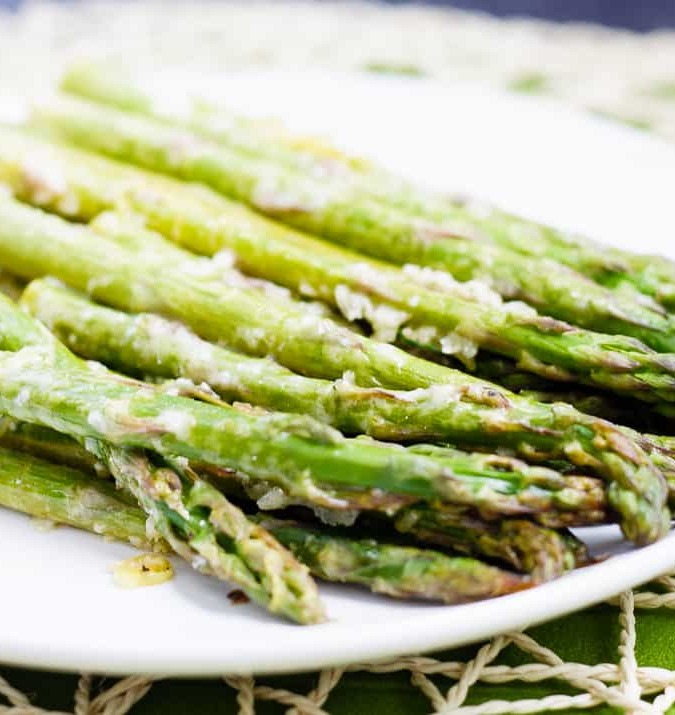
<point>418,634</point>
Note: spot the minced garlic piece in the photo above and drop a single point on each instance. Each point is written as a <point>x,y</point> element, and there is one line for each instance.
<point>142,570</point>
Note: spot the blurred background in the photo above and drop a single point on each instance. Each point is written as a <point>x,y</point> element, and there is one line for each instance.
<point>631,14</point>
<point>640,15</point>
<point>614,58</point>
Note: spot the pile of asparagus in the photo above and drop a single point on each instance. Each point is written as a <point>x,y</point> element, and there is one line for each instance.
<point>273,359</point>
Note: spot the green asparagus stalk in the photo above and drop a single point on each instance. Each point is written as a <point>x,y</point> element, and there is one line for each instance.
<point>209,532</point>
<point>267,573</point>
<point>601,406</point>
<point>128,231</point>
<point>67,496</point>
<point>344,213</point>
<point>399,571</point>
<point>155,346</point>
<point>544,553</point>
<point>303,341</point>
<point>459,324</point>
<point>339,506</point>
<point>262,138</point>
<point>151,345</point>
<point>48,445</point>
<point>34,244</point>
<point>212,534</point>
<point>629,415</point>
<point>525,546</point>
<point>619,409</point>
<point>631,277</point>
<point>86,402</point>
<point>471,220</point>
<point>416,305</point>
<point>300,455</point>
<point>633,420</point>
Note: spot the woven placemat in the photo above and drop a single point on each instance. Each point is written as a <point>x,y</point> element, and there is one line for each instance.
<point>625,686</point>
<point>618,74</point>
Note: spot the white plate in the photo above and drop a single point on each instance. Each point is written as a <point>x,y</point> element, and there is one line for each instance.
<point>60,607</point>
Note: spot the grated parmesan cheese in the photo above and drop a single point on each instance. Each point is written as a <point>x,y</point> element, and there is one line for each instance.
<point>175,422</point>
<point>433,279</point>
<point>44,179</point>
<point>384,320</point>
<point>275,498</point>
<point>184,147</point>
<point>336,517</point>
<point>463,348</point>
<point>422,335</point>
<point>519,309</point>
<point>270,194</point>
<point>224,259</point>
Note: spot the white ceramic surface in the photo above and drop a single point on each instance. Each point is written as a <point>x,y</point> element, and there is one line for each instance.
<point>60,609</point>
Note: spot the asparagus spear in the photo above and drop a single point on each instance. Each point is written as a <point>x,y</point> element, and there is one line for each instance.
<point>540,551</point>
<point>606,360</point>
<point>264,138</point>
<point>399,571</point>
<point>544,553</point>
<point>620,409</point>
<point>255,562</point>
<point>629,415</point>
<point>533,430</point>
<point>89,403</point>
<point>633,420</point>
<point>630,277</point>
<point>154,346</point>
<point>212,534</point>
<point>249,323</point>
<point>71,497</point>
<point>362,288</point>
<point>347,215</point>
<point>469,219</point>
<point>300,455</point>
<point>48,445</point>
<point>128,231</point>
<point>402,306</point>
